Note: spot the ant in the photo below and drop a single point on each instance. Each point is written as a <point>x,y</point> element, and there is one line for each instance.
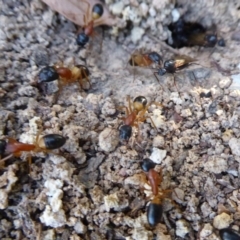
<point>192,34</point>
<point>155,208</point>
<point>12,147</point>
<point>135,113</point>
<point>144,59</point>
<point>174,65</point>
<point>64,75</point>
<point>97,11</point>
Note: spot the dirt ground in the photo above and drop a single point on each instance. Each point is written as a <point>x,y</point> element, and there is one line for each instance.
<point>94,187</point>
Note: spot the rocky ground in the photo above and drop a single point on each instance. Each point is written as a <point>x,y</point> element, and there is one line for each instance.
<point>94,187</point>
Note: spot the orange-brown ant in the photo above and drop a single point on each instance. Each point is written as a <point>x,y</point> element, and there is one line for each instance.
<point>91,15</point>
<point>12,147</point>
<point>139,59</point>
<point>135,113</point>
<point>64,75</point>
<point>144,60</point>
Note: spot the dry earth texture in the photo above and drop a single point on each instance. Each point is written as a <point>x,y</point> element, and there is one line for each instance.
<point>94,187</point>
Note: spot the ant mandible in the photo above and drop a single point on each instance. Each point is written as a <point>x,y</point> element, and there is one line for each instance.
<point>12,147</point>
<point>135,113</point>
<point>92,15</point>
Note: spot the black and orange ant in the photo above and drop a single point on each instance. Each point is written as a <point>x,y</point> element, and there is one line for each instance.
<point>135,113</point>
<point>192,34</point>
<point>13,148</point>
<point>64,75</point>
<point>91,15</point>
<point>174,65</point>
<point>155,208</point>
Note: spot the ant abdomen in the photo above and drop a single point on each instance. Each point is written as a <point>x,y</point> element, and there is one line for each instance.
<point>154,212</point>
<point>51,141</point>
<point>47,74</point>
<point>229,234</point>
<point>97,11</point>
<point>125,132</point>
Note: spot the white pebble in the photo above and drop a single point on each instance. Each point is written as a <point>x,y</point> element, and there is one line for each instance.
<point>182,228</point>
<point>117,8</point>
<point>3,199</point>
<point>216,165</point>
<point>52,219</point>
<point>234,144</point>
<point>206,231</point>
<point>158,155</point>
<point>225,82</point>
<point>175,15</point>
<point>222,220</point>
<point>80,228</point>
<point>158,141</point>
<point>152,12</point>
<point>136,34</point>
<point>108,139</point>
<point>144,9</point>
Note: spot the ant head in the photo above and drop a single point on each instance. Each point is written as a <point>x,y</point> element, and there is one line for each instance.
<point>162,71</point>
<point>211,40</point>
<point>155,57</point>
<point>221,42</point>
<point>125,132</point>
<point>97,11</point>
<point>147,164</point>
<point>82,39</point>
<point>3,145</point>
<point>47,74</point>
<point>139,103</point>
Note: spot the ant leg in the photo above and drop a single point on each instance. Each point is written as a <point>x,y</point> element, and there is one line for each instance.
<point>174,81</point>
<point>155,74</point>
<point>129,104</point>
<point>6,158</point>
<point>87,78</point>
<point>125,108</point>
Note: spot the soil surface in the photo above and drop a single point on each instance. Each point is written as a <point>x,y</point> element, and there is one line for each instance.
<point>93,187</point>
